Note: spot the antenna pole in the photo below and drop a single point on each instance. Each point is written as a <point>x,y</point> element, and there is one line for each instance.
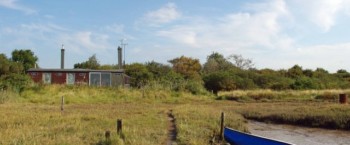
<point>123,46</point>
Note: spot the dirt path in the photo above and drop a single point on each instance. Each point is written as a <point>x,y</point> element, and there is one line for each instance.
<point>172,131</point>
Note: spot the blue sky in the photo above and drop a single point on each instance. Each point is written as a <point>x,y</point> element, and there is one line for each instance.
<point>275,34</point>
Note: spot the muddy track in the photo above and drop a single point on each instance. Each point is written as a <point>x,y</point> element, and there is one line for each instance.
<point>172,130</point>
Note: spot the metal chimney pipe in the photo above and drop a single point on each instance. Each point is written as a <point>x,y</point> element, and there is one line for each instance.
<point>62,57</point>
<point>120,57</point>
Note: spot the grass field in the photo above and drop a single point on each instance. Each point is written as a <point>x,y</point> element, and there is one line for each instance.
<point>34,116</point>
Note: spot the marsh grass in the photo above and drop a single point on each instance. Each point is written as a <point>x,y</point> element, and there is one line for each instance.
<point>81,124</point>
<point>34,116</point>
<point>286,95</point>
<point>313,114</point>
<point>198,122</point>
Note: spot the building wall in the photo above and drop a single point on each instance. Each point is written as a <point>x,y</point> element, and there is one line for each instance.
<point>81,78</point>
<point>36,76</point>
<point>58,77</point>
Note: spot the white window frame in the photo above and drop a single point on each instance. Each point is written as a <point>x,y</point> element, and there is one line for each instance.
<point>67,79</point>
<point>44,77</point>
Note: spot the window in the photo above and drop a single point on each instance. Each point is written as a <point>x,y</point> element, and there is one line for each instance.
<point>59,74</point>
<point>70,78</point>
<point>95,79</point>
<point>47,78</point>
<point>105,79</point>
<point>100,79</point>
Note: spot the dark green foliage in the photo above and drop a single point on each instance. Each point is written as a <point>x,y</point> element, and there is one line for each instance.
<point>295,72</point>
<point>303,83</point>
<point>24,57</point>
<point>15,82</point>
<point>157,69</point>
<point>139,74</point>
<point>218,81</point>
<point>4,65</point>
<point>216,62</point>
<point>91,63</point>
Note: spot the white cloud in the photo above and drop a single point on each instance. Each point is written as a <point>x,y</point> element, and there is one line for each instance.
<point>322,13</point>
<point>87,40</point>
<point>165,14</point>
<point>12,4</point>
<point>235,31</point>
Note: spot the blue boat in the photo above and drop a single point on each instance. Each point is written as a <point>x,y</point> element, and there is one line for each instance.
<point>235,137</point>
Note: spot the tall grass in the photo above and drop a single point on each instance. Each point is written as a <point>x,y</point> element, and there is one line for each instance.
<point>81,124</point>
<point>34,116</point>
<point>286,95</point>
<point>314,114</point>
<point>198,122</point>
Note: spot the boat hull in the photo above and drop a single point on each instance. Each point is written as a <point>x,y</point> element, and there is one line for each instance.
<point>235,137</point>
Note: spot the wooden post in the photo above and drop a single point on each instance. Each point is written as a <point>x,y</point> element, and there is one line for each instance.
<point>119,126</point>
<point>222,126</point>
<point>108,135</point>
<point>62,102</point>
<point>343,98</point>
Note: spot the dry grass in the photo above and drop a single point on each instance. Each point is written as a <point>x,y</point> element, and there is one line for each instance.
<point>286,95</point>
<point>34,116</point>
<point>81,124</point>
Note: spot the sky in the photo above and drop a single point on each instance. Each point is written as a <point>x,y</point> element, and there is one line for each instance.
<point>274,34</point>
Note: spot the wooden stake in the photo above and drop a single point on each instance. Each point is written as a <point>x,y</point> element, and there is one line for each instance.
<point>119,126</point>
<point>62,102</point>
<point>222,126</point>
<point>107,134</point>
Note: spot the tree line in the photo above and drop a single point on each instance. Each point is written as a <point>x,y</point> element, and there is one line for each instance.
<point>225,74</point>
<point>183,73</point>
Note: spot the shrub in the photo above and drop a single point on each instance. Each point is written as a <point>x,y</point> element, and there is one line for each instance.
<point>15,82</point>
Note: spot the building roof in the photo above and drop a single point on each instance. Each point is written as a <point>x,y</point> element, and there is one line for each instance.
<point>74,70</point>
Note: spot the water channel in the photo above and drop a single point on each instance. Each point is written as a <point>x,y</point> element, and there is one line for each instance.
<point>300,135</point>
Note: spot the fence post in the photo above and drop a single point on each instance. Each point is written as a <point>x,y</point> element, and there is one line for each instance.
<point>343,98</point>
<point>119,126</point>
<point>62,102</point>
<point>107,134</point>
<point>222,126</point>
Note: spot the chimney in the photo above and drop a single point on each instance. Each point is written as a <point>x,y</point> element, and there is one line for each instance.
<point>62,57</point>
<point>120,57</point>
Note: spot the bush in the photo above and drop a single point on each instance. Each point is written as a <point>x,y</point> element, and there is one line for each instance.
<point>195,87</point>
<point>15,82</point>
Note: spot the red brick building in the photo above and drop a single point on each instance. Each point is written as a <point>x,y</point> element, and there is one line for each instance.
<point>79,76</point>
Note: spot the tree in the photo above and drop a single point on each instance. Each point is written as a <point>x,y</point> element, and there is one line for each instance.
<point>187,66</point>
<point>4,65</point>
<point>157,69</point>
<point>241,62</point>
<point>216,62</point>
<point>92,63</point>
<point>218,81</point>
<point>139,74</point>
<point>295,72</point>
<point>25,57</point>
